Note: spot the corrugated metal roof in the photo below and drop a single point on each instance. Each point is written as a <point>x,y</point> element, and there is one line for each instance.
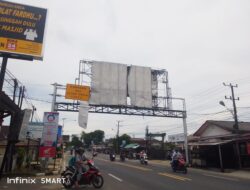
<point>227,125</point>
<point>134,145</point>
<point>209,143</point>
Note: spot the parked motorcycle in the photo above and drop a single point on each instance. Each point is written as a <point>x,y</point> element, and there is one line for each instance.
<point>144,160</point>
<point>180,165</point>
<point>92,176</point>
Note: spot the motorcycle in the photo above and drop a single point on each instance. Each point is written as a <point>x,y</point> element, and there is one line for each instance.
<point>179,166</point>
<point>144,160</point>
<point>112,157</point>
<point>122,157</point>
<point>91,176</point>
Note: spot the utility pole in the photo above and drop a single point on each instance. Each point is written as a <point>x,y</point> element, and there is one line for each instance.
<point>32,113</point>
<point>184,119</point>
<point>3,70</point>
<point>185,130</point>
<point>54,95</point>
<point>236,124</point>
<point>117,135</point>
<point>146,138</point>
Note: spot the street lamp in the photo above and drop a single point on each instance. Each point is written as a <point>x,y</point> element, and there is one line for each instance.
<point>224,105</point>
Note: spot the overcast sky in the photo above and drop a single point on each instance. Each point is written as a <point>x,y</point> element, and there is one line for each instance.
<point>201,43</point>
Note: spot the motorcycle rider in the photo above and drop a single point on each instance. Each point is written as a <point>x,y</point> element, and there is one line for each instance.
<point>111,153</point>
<point>122,155</point>
<point>143,157</point>
<point>79,161</point>
<point>175,157</point>
<point>143,154</point>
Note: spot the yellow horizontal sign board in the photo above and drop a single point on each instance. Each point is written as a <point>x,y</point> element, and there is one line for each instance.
<point>77,92</point>
<point>20,46</point>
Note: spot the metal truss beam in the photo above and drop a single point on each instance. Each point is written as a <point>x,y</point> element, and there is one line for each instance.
<point>124,110</point>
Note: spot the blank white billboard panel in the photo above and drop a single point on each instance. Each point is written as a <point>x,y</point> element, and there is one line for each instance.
<point>83,114</point>
<point>140,87</point>
<point>108,84</point>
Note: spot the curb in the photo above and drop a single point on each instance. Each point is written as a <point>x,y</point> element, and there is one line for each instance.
<point>40,174</point>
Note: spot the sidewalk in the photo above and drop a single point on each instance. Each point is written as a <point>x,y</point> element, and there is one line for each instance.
<point>244,174</point>
<point>37,171</point>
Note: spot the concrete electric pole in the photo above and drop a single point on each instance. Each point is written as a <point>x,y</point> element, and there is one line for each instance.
<point>236,124</point>
<point>117,135</point>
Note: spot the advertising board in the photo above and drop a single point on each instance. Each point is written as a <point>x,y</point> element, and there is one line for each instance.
<point>176,138</point>
<point>47,152</point>
<point>22,29</point>
<point>50,129</point>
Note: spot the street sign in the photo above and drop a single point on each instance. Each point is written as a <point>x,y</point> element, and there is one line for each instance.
<point>22,29</point>
<point>77,92</point>
<point>47,152</point>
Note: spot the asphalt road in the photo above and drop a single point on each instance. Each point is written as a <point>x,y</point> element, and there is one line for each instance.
<point>134,176</point>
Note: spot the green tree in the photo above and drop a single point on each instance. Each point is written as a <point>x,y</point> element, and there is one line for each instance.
<point>96,136</point>
<point>125,138</point>
<point>76,141</point>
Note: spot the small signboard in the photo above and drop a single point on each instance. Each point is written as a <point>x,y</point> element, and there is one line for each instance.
<point>36,130</point>
<point>22,29</point>
<point>77,92</point>
<point>176,138</point>
<point>47,152</point>
<point>66,138</point>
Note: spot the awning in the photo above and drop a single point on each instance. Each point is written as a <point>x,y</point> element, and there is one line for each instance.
<point>133,146</point>
<point>207,143</point>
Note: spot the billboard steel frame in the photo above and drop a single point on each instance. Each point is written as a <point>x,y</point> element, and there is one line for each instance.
<point>162,103</point>
<point>108,109</point>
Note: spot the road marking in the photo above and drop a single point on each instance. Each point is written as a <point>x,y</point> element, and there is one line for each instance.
<point>221,177</point>
<point>117,178</point>
<point>175,177</point>
<point>131,166</point>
